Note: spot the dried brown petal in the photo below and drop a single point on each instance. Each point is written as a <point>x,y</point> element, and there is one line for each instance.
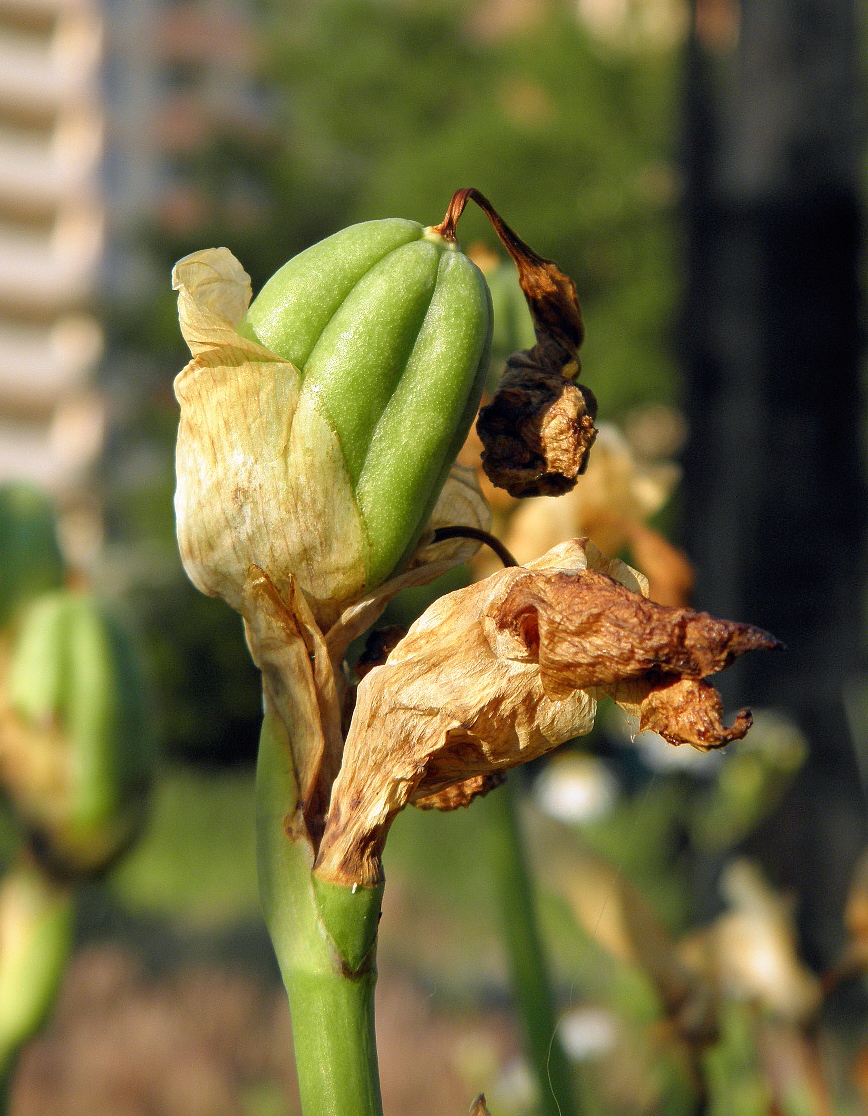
<point>689,711</point>
<point>591,631</point>
<point>460,794</point>
<point>539,427</point>
<point>505,670</point>
<point>536,432</point>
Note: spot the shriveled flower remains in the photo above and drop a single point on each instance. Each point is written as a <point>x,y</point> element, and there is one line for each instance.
<point>490,677</point>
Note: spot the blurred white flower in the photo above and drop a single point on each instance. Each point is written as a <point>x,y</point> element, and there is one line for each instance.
<point>588,1032</point>
<point>577,789</point>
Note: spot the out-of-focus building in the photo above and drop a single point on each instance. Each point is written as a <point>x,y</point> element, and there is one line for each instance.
<point>52,238</point>
<point>104,107</point>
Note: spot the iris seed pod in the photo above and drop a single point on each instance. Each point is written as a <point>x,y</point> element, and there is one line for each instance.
<point>319,427</point>
<point>74,751</point>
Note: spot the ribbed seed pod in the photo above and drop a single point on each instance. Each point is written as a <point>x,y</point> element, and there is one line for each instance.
<point>389,325</point>
<point>77,756</point>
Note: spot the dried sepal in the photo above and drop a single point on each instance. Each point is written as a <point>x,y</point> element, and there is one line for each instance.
<point>538,429</point>
<point>496,674</point>
<point>298,678</point>
<point>247,448</point>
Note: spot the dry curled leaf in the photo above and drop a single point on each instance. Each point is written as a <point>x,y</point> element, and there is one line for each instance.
<point>496,674</point>
<point>538,429</point>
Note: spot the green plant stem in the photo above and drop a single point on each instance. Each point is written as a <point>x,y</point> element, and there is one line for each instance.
<point>331,1003</point>
<point>526,955</point>
<point>7,1076</point>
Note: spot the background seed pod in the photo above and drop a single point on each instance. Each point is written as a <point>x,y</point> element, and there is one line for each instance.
<point>77,754</point>
<point>35,940</point>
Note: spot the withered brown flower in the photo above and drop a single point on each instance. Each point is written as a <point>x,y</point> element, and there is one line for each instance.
<point>538,429</point>
<point>496,674</point>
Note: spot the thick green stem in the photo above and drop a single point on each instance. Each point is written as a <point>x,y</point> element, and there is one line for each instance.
<point>330,988</point>
<point>7,1076</point>
<point>527,959</point>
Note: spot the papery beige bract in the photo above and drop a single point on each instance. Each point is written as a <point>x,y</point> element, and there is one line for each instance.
<point>258,482</point>
<point>261,479</point>
<point>496,674</point>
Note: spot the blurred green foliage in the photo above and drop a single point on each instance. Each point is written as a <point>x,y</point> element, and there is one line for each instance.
<point>30,555</point>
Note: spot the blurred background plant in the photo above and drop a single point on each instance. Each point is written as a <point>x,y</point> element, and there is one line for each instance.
<point>76,761</point>
<point>698,169</point>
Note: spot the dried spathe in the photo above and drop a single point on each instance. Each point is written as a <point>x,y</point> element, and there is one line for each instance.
<point>496,674</point>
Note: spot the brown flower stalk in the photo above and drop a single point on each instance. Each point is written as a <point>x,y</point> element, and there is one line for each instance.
<point>496,674</point>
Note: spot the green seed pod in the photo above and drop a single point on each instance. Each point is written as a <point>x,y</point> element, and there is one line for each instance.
<point>76,754</point>
<point>389,325</point>
<point>30,558</point>
<point>318,429</point>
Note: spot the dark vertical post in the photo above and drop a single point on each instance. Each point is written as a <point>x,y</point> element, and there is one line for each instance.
<point>775,508</point>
